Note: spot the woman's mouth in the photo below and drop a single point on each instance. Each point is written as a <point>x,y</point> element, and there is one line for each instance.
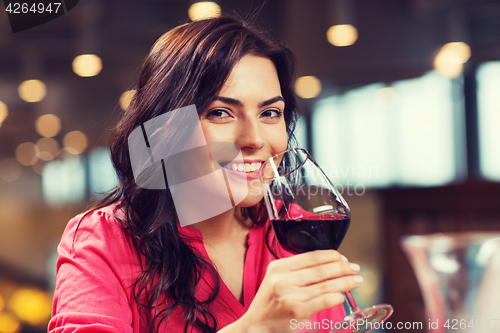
<point>244,167</point>
<point>248,170</point>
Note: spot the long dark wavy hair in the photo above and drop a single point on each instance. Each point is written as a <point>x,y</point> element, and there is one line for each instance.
<point>187,65</point>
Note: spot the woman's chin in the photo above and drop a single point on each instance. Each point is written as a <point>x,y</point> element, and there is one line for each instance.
<point>250,195</point>
<point>251,199</point>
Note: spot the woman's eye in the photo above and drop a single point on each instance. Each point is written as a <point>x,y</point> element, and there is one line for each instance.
<point>218,114</point>
<point>272,113</point>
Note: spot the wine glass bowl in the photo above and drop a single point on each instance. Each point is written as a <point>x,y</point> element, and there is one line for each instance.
<point>306,210</point>
<point>308,213</point>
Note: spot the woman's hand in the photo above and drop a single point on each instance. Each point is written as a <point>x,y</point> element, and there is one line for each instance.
<point>300,286</point>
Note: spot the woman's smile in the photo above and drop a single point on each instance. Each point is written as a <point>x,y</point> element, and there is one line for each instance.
<point>244,167</point>
<point>247,169</point>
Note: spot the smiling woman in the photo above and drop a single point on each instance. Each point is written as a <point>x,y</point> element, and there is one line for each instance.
<point>128,265</point>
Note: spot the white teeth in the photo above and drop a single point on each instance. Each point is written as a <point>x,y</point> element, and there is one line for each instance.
<point>246,167</point>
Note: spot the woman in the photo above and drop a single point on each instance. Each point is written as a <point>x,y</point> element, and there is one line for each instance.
<point>129,266</point>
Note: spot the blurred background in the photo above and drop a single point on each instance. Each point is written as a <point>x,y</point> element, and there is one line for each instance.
<point>400,103</point>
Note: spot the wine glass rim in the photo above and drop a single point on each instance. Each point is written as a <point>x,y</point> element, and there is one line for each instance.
<point>309,157</point>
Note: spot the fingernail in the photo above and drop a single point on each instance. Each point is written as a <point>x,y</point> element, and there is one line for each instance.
<point>355,267</point>
<point>358,279</point>
<point>343,257</point>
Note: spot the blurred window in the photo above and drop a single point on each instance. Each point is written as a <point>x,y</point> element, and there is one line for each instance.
<point>378,135</point>
<point>488,99</point>
<point>102,175</point>
<point>63,182</point>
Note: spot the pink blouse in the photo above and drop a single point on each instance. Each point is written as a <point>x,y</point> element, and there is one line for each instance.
<point>97,268</point>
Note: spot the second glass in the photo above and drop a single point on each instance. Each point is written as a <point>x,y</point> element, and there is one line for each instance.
<point>308,213</point>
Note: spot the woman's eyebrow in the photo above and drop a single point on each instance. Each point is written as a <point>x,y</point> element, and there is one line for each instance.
<point>271,101</point>
<point>236,102</point>
<point>229,100</point>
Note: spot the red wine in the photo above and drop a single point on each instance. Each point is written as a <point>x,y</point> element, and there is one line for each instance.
<point>303,235</point>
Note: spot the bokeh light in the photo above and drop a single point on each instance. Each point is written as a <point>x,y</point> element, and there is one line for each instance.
<point>47,149</point>
<point>26,153</point>
<point>31,305</point>
<point>75,142</point>
<point>87,65</point>
<point>126,98</point>
<point>10,169</point>
<point>9,323</point>
<point>460,51</point>
<point>32,91</point>
<point>203,10</point>
<point>48,125</point>
<point>450,59</point>
<point>307,86</point>
<point>450,70</point>
<point>4,111</point>
<point>342,35</point>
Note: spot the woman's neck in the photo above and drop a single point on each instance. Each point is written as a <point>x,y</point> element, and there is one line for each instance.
<point>224,228</point>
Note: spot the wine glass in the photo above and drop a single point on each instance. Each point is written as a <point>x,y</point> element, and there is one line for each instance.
<point>308,213</point>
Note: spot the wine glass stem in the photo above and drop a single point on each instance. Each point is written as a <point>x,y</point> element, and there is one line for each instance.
<point>349,303</point>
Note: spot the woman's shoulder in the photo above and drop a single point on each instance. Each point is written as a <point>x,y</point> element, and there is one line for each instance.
<point>98,228</point>
<point>95,271</point>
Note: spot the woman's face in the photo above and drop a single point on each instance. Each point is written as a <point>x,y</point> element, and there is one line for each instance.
<point>248,112</point>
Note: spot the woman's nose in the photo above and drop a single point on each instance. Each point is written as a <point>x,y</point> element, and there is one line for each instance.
<point>249,135</point>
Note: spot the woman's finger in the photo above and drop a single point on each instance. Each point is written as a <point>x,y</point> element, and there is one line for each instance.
<point>312,275</point>
<point>314,258</point>
<point>324,301</point>
<point>340,285</point>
